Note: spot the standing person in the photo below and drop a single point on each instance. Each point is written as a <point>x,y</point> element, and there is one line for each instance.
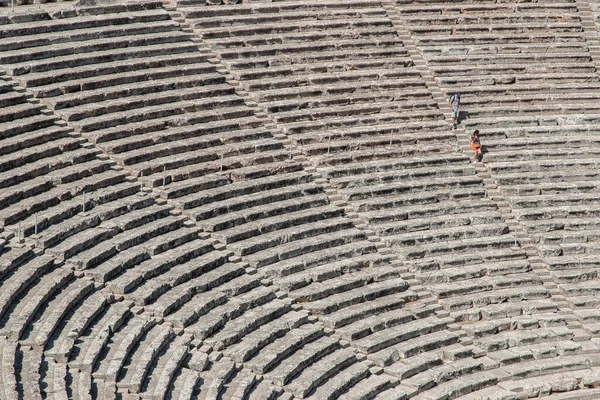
<point>455,106</point>
<point>476,146</point>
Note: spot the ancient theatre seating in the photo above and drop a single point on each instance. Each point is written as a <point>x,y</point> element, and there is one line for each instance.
<point>507,59</point>
<point>529,85</point>
<point>333,75</point>
<point>136,86</point>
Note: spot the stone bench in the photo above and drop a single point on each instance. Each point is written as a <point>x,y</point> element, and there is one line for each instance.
<point>570,224</point>
<point>168,365</point>
<point>314,259</point>
<point>225,10</point>
<point>495,17</point>
<point>211,272</point>
<point>561,364</point>
<point>500,168</point>
<point>385,319</point>
<point>282,28</point>
<point>467,287</point>
<point>349,281</point>
<point>359,311</point>
<point>255,69</point>
<point>353,296</point>
<point>371,140</point>
<point>159,264</point>
<point>123,343</point>
<point>412,7</point>
<point>8,388</point>
<point>497,68</point>
<point>249,322</point>
<point>252,343</point>
<point>520,79</point>
<point>96,256</point>
<point>137,96</point>
<point>302,358</point>
<point>62,221</point>
<point>554,212</point>
<point>56,311</point>
<point>318,50</point>
<point>332,60</point>
<point>495,296</point>
<point>430,210</point>
<point>269,211</point>
<point>505,48</point>
<point>517,180</point>
<point>151,345</point>
<point>28,132</point>
<point>244,188</point>
<point>25,310</point>
<point>349,377</point>
<point>45,58</point>
<point>126,53</point>
<point>406,77</point>
<point>91,342</point>
<point>279,349</point>
<point>585,186</point>
<point>54,35</point>
<point>348,122</point>
<point>305,246</point>
<point>141,111</point>
<point>185,383</point>
<point>586,288</point>
<point>62,145</point>
<point>221,378</point>
<point>455,27</point>
<point>315,271</point>
<point>543,35</point>
<point>413,346</point>
<point>19,111</point>
<point>492,312</point>
<point>176,297</point>
<point>87,77</point>
<point>412,174</point>
<point>161,79</point>
<point>447,230</point>
<point>469,272</point>
<point>291,230</point>
<point>535,155</point>
<point>222,315</point>
<point>406,163</point>
<point>536,109</point>
<point>441,262</point>
<point>46,24</point>
<point>84,313</point>
<point>567,238</point>
<point>446,373</point>
<point>529,62</point>
<point>227,131</point>
<point>320,372</point>
<point>401,333</point>
<point>14,257</point>
<point>378,204</point>
<point>361,193</point>
<point>22,279</point>
<point>346,99</point>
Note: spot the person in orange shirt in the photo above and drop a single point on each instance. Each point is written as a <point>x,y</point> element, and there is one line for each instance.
<point>476,146</point>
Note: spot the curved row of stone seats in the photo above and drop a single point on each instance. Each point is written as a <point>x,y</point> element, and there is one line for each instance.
<point>312,66</point>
